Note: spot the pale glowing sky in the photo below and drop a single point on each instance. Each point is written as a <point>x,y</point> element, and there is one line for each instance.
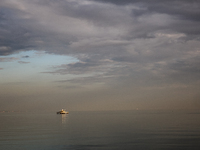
<point>27,66</point>
<point>99,54</point>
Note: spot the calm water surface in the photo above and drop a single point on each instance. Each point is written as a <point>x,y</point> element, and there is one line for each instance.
<point>112,130</point>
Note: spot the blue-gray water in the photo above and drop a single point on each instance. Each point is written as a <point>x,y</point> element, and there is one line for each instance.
<point>108,130</point>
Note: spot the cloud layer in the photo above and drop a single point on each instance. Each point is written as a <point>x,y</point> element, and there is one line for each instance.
<point>128,44</point>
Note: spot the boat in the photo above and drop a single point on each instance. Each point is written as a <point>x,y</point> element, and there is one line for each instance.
<point>62,112</point>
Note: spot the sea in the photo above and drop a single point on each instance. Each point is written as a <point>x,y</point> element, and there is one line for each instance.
<point>101,130</point>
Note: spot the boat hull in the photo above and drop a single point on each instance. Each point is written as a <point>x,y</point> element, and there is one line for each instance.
<point>62,112</point>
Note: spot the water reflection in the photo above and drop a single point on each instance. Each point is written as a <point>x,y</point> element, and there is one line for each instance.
<point>64,118</point>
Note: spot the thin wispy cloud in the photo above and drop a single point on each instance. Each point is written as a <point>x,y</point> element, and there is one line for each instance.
<point>23,62</point>
<point>7,59</point>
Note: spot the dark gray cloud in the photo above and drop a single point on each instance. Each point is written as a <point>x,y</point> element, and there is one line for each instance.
<point>25,56</point>
<point>187,12</point>
<point>182,8</point>
<point>63,26</point>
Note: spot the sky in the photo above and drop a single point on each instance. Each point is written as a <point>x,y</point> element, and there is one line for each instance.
<point>99,54</point>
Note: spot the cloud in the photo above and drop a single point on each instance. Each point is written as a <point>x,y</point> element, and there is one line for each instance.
<point>131,43</point>
<point>25,56</point>
<point>133,31</point>
<point>23,62</point>
<point>7,59</point>
<point>67,25</point>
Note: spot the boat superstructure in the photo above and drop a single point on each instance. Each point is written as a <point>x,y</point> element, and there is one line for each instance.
<point>62,112</point>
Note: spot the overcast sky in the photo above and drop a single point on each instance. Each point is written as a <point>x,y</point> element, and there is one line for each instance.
<point>99,54</point>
